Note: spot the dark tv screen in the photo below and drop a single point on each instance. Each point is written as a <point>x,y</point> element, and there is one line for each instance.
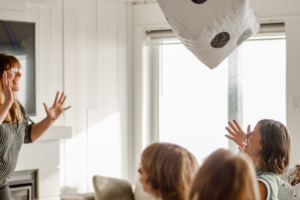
<point>18,39</point>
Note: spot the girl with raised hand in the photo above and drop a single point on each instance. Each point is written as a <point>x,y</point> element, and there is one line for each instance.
<point>268,146</point>
<point>14,127</point>
<point>224,176</point>
<point>167,171</point>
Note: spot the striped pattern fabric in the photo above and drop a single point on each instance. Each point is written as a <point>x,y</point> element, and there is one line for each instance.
<point>12,136</point>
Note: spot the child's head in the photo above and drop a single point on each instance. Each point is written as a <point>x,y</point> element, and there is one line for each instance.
<point>270,142</point>
<point>167,171</point>
<point>224,176</point>
<point>295,175</point>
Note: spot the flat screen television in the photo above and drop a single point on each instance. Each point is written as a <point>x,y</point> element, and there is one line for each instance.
<point>18,39</point>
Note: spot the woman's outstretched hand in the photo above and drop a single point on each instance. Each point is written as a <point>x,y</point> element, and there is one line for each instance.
<point>9,96</point>
<point>57,109</point>
<point>237,134</point>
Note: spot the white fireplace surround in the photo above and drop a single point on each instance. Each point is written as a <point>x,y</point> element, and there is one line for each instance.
<point>43,155</point>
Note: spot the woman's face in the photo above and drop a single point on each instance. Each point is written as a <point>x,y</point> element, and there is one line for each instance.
<point>253,142</point>
<point>15,78</point>
<point>143,179</point>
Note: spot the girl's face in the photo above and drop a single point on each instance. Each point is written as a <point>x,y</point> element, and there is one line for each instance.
<point>143,180</point>
<point>14,74</point>
<point>253,142</point>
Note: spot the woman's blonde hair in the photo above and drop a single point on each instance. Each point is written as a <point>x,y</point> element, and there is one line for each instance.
<point>8,62</point>
<point>170,170</point>
<point>224,176</point>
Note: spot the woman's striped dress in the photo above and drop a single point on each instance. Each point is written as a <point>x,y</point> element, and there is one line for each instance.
<point>12,136</point>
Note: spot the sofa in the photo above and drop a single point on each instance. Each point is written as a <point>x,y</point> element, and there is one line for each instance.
<point>112,189</point>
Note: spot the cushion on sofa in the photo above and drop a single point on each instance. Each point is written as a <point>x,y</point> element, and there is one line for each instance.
<point>73,197</point>
<point>112,189</point>
<point>84,196</point>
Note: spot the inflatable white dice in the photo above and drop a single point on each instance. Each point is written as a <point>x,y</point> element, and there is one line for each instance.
<point>211,29</point>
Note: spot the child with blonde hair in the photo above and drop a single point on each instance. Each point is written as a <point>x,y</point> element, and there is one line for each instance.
<point>224,176</point>
<point>167,171</point>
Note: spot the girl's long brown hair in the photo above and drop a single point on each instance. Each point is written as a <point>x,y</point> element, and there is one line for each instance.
<point>224,176</point>
<point>8,62</point>
<point>276,146</point>
<point>170,169</point>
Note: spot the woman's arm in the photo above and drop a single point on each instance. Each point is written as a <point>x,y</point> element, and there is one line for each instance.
<point>53,113</point>
<point>37,130</point>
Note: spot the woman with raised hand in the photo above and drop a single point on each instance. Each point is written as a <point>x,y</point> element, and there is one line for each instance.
<point>167,171</point>
<point>268,146</point>
<point>224,176</point>
<point>14,127</point>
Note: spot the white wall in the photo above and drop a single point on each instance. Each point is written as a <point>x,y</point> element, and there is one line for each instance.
<point>149,16</point>
<point>95,34</point>
<point>82,49</point>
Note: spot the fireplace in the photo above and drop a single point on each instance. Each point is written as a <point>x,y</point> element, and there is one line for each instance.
<point>22,185</point>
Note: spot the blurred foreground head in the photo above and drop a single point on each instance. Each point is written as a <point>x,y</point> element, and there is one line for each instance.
<point>225,176</point>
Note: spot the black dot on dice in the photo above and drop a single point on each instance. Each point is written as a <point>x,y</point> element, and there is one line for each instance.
<point>199,1</point>
<point>245,36</point>
<point>220,40</point>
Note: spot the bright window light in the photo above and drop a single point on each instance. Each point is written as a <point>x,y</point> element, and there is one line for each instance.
<point>264,81</point>
<point>194,99</point>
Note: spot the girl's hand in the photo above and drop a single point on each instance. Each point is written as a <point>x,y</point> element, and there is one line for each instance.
<point>9,96</point>
<point>237,134</point>
<point>57,109</point>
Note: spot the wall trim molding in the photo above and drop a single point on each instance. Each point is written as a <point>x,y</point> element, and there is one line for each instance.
<point>44,2</point>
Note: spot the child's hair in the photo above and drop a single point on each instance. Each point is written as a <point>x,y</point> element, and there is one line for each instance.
<point>296,175</point>
<point>170,170</point>
<point>8,62</point>
<point>276,146</point>
<point>224,176</point>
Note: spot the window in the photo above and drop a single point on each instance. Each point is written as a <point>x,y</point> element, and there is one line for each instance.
<point>264,80</point>
<point>193,106</point>
<point>195,102</point>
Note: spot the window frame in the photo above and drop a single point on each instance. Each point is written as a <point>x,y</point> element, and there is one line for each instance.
<point>152,90</point>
